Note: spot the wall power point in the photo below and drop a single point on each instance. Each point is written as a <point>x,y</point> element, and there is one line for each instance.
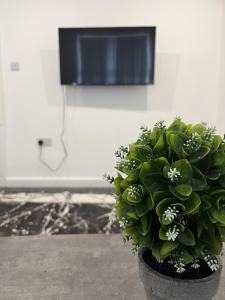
<point>47,142</point>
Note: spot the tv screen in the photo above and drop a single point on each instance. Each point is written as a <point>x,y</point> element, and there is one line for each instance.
<point>107,56</point>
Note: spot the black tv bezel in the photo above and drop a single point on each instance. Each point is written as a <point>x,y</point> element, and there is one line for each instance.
<point>93,29</point>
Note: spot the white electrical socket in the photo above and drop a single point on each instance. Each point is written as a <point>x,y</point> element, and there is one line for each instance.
<point>47,142</point>
<point>14,66</point>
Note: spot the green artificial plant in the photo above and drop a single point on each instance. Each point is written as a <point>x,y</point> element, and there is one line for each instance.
<point>170,193</point>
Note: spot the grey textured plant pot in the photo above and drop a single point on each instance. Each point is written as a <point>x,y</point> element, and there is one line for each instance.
<point>162,287</point>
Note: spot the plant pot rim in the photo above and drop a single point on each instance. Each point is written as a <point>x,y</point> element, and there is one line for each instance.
<point>212,276</point>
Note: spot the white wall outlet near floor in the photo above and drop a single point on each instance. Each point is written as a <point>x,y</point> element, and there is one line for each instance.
<point>14,66</point>
<point>47,142</point>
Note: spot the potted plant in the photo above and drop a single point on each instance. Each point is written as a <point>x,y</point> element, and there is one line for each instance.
<point>170,200</point>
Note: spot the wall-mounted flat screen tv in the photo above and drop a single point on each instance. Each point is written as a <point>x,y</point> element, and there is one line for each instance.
<point>107,56</point>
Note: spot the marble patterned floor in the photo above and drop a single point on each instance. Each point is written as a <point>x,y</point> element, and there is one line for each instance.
<point>56,213</point>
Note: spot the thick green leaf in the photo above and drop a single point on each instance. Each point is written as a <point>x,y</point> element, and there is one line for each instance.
<point>144,225</point>
<point>134,233</point>
<point>184,189</point>
<point>167,247</point>
<point>130,199</point>
<point>200,225</point>
<point>198,248</point>
<point>147,240</point>
<point>213,174</point>
<point>220,201</point>
<point>222,181</point>
<point>163,205</point>
<point>155,167</point>
<point>218,159</point>
<point>176,194</point>
<point>166,169</point>
<point>206,143</point>
<point>187,256</point>
<point>142,209</point>
<point>222,232</point>
<point>198,182</point>
<point>192,204</point>
<point>125,168</point>
<point>200,154</point>
<point>124,210</point>
<point>199,128</point>
<point>123,185</point>
<point>218,215</point>
<point>222,171</point>
<point>156,251</point>
<point>215,143</point>
<point>211,218</point>
<point>162,233</point>
<point>215,241</point>
<point>211,237</point>
<point>186,238</point>
<point>205,202</point>
<point>204,164</point>
<point>160,144</point>
<point>184,167</point>
<point>117,183</point>
<point>161,162</point>
<point>154,182</point>
<point>147,168</point>
<point>150,202</point>
<point>217,244</point>
<point>176,142</point>
<point>218,192</point>
<point>132,214</point>
<point>155,134</point>
<point>160,195</point>
<point>177,126</point>
<point>140,152</point>
<point>133,176</point>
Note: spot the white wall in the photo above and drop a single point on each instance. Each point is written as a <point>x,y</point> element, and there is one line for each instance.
<point>221,107</point>
<point>99,119</point>
<point>2,126</point>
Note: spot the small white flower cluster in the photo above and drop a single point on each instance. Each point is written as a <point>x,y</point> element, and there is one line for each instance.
<point>128,164</point>
<point>195,264</point>
<point>171,261</point>
<point>108,178</point>
<point>172,233</point>
<point>144,128</point>
<point>223,139</point>
<point>179,265</point>
<point>126,238</point>
<point>112,216</point>
<point>174,174</point>
<point>123,223</point>
<point>193,143</point>
<point>121,152</point>
<point>209,132</point>
<point>144,138</point>
<point>160,124</point>
<point>211,261</point>
<point>134,192</point>
<point>151,156</point>
<point>170,213</point>
<point>135,248</point>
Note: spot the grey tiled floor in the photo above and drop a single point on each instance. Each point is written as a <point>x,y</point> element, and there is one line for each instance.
<point>70,267</point>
